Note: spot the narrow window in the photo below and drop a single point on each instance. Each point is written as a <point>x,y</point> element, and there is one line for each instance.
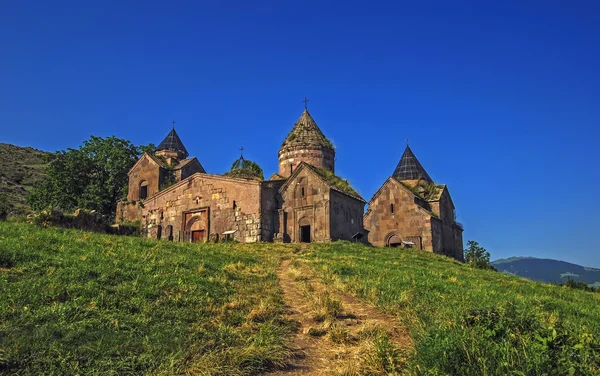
<point>234,205</point>
<point>392,208</point>
<point>143,192</point>
<point>302,191</point>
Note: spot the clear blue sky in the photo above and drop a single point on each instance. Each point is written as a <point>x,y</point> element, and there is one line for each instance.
<point>500,101</point>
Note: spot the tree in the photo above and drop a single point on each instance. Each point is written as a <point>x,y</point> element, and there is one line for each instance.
<point>477,257</point>
<point>92,177</point>
<point>249,169</point>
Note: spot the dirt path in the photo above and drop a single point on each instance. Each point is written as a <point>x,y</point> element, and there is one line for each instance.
<point>336,331</point>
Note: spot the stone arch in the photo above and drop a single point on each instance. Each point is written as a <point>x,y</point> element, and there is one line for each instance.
<point>304,221</point>
<point>143,190</point>
<point>196,228</point>
<point>393,240</point>
<point>195,223</point>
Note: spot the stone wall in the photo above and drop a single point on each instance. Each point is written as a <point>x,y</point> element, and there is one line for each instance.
<point>289,160</point>
<point>346,216</point>
<point>269,209</point>
<point>189,169</point>
<point>408,219</point>
<point>230,203</point>
<point>306,199</point>
<point>128,211</point>
<point>146,169</point>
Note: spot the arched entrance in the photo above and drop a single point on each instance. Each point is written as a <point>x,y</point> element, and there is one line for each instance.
<point>196,228</point>
<point>305,234</point>
<point>393,240</point>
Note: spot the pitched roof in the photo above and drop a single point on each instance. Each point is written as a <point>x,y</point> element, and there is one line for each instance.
<point>158,161</point>
<point>182,163</point>
<point>173,142</point>
<point>306,133</point>
<point>276,176</point>
<point>335,182</point>
<point>429,192</point>
<point>409,168</point>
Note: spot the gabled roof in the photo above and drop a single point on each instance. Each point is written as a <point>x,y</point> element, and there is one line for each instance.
<point>185,162</point>
<point>151,157</point>
<point>409,168</point>
<point>407,188</point>
<point>306,133</point>
<point>333,181</point>
<point>429,192</point>
<point>276,176</point>
<point>173,142</point>
<point>159,161</point>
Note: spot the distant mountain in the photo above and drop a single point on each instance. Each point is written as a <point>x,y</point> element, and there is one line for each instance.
<point>547,270</point>
<point>20,169</point>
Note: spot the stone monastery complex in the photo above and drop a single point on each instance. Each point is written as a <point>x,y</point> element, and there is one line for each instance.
<point>175,199</point>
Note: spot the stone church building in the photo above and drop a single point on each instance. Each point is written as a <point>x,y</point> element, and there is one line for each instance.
<point>410,210</point>
<point>174,198</point>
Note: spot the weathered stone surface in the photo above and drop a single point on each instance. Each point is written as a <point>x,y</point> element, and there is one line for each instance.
<point>301,203</point>
<point>396,214</point>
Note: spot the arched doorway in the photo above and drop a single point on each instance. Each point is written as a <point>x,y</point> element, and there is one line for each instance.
<point>159,232</point>
<point>197,227</point>
<point>305,234</point>
<point>393,240</point>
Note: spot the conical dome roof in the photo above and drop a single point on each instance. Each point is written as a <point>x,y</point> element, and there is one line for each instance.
<point>239,164</point>
<point>173,142</point>
<point>409,168</point>
<point>306,133</point>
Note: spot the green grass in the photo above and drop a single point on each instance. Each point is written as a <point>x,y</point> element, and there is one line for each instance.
<point>470,322</point>
<point>74,302</point>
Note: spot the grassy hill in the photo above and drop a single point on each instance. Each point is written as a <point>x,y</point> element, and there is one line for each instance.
<point>547,270</point>
<point>81,303</point>
<point>20,169</point>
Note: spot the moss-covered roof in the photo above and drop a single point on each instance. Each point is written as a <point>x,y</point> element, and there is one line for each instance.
<point>428,192</point>
<point>336,183</point>
<point>306,134</point>
<point>276,176</point>
<point>243,174</point>
<point>247,169</point>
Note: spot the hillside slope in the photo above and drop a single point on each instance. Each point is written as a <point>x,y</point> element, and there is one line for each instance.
<point>548,270</point>
<point>466,321</point>
<point>20,169</point>
<point>75,302</point>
